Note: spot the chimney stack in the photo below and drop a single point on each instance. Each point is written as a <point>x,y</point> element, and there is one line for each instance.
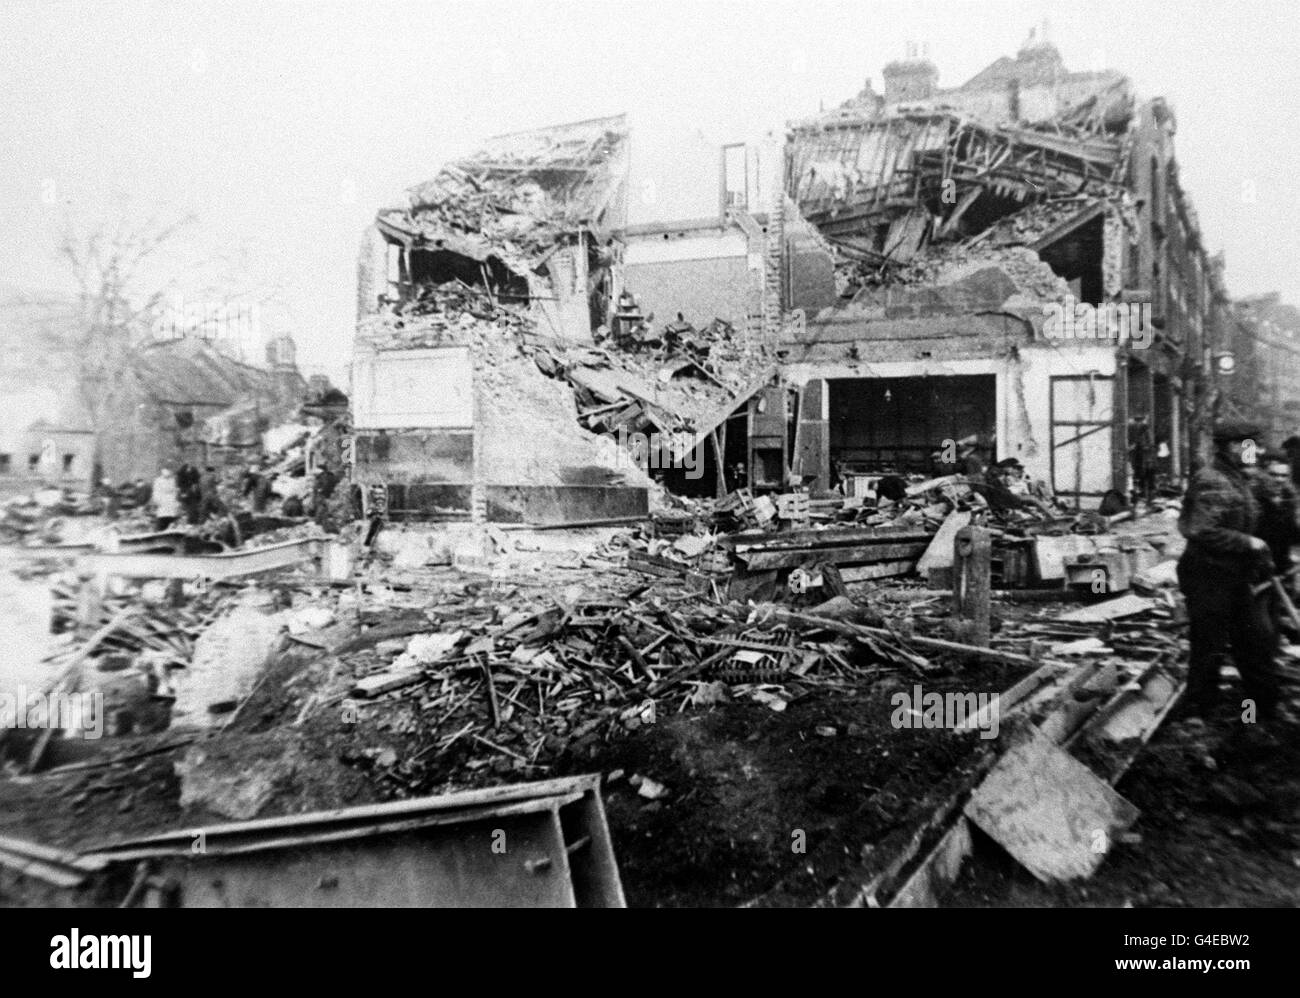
<point>909,80</point>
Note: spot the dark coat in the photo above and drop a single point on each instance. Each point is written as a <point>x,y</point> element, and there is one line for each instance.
<point>1219,519</point>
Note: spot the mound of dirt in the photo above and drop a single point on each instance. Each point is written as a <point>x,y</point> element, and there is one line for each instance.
<point>753,797</point>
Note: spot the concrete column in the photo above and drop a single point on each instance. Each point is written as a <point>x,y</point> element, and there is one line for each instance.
<point>813,456</point>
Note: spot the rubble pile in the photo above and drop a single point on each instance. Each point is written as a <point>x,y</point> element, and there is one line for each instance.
<point>516,198</point>
<point>517,220</point>
<point>411,680</point>
<point>513,688</point>
<point>154,622</point>
<point>452,313</point>
<point>952,263</point>
<point>620,390</point>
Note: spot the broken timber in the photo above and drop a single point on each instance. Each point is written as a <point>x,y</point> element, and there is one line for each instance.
<point>1157,695</point>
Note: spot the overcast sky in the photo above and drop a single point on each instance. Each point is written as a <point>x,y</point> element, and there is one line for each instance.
<point>283,126</point>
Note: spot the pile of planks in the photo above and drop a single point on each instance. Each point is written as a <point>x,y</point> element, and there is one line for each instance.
<point>168,630</point>
<point>515,693</point>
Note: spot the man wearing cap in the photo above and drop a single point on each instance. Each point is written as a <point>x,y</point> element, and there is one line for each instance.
<point>994,488</point>
<point>1217,571</point>
<point>1271,483</point>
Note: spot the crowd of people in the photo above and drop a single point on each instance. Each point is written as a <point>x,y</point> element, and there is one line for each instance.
<point>189,493</point>
<point>188,496</point>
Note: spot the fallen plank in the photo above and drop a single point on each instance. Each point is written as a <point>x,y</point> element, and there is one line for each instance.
<point>885,570</point>
<point>382,633</point>
<point>856,555</point>
<point>1049,811</point>
<point>940,552</point>
<point>896,855</point>
<point>813,538</point>
<point>939,871</point>
<point>377,685</point>
<point>1124,725</point>
<point>1124,606</point>
<point>784,616</point>
<point>119,760</point>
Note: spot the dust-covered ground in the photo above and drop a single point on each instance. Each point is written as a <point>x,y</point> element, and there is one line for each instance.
<point>715,804</point>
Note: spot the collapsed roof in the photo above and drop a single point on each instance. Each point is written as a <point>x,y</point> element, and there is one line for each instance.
<point>519,195</point>
<point>681,399</point>
<point>883,188</point>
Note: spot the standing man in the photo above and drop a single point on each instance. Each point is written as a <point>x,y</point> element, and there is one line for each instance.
<point>1276,496</point>
<point>210,503</point>
<point>187,481</point>
<point>166,500</point>
<point>1217,572</point>
<point>1140,458</point>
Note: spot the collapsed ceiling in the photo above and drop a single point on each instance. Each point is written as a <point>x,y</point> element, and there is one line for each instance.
<point>518,196</point>
<point>884,188</point>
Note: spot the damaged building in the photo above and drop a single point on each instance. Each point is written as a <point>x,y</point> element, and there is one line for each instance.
<point>452,421</point>
<point>1262,374</point>
<point>1018,267</point>
<point>1010,265</point>
<point>796,643</point>
<point>510,318</point>
<point>184,398</point>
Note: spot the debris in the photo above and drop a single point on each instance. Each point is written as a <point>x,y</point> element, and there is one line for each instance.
<point>228,661</point>
<point>1124,606</point>
<point>1047,810</point>
<point>650,789</point>
<point>236,786</point>
<point>425,649</point>
<point>1084,646</point>
<point>939,554</point>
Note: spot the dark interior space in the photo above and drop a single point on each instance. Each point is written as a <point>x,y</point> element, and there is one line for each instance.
<point>438,266</point>
<point>985,210</point>
<point>702,481</point>
<point>883,425</point>
<point>1077,257</point>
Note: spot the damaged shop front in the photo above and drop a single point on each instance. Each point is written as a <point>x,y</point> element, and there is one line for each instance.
<point>939,388</point>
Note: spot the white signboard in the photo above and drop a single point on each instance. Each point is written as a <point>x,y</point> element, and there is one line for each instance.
<point>408,389</point>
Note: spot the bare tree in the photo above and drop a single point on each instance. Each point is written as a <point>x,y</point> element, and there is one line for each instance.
<point>118,293</point>
<point>125,272</point>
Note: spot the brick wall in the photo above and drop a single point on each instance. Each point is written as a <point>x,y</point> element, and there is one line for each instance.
<point>701,290</point>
